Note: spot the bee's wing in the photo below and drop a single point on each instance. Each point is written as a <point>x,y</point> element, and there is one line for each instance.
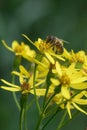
<point>64,41</point>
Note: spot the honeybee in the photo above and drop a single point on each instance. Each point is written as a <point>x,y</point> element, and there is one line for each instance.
<point>56,43</point>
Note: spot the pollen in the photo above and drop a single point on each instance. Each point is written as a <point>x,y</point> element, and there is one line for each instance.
<point>65,80</point>
<point>25,86</point>
<point>80,56</point>
<point>42,45</point>
<point>19,48</point>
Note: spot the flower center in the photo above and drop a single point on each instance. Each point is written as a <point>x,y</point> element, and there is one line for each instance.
<point>80,56</point>
<point>42,45</point>
<point>25,86</point>
<point>65,80</point>
<point>19,48</point>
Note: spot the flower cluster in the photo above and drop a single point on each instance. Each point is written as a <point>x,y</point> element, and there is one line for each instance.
<point>60,79</point>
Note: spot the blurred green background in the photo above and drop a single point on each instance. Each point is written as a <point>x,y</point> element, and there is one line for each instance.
<point>39,18</point>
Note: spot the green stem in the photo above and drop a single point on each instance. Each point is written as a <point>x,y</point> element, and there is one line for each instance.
<point>61,121</point>
<point>14,94</point>
<point>21,119</point>
<point>42,114</point>
<point>44,101</point>
<point>16,101</point>
<point>17,61</point>
<point>23,103</point>
<point>29,105</point>
<point>56,111</point>
<point>48,101</point>
<point>68,120</point>
<point>51,118</point>
<point>25,120</point>
<point>36,98</point>
<point>40,120</point>
<point>48,82</point>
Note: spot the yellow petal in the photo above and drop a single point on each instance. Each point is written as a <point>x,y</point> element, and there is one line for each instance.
<point>24,71</point>
<point>40,82</point>
<point>80,86</point>
<point>57,56</point>
<point>9,48</point>
<point>9,84</point>
<point>79,80</point>
<point>15,44</point>
<point>58,68</point>
<point>49,57</point>
<point>80,101</point>
<point>21,79</point>
<point>68,109</point>
<point>66,54</point>
<point>80,95</point>
<point>33,60</point>
<point>65,92</point>
<point>13,89</point>
<point>71,69</point>
<point>78,108</point>
<point>39,92</point>
<point>15,73</point>
<point>27,38</point>
<point>85,93</point>
<point>55,81</point>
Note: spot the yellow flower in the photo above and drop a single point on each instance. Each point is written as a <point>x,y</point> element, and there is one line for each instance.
<point>20,49</point>
<point>46,49</point>
<point>70,85</point>
<point>84,67</point>
<point>43,70</point>
<point>26,83</point>
<point>23,50</point>
<point>76,102</point>
<point>69,78</point>
<point>79,56</point>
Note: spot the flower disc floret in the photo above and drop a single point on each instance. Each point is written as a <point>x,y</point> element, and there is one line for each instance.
<point>65,80</point>
<point>42,45</point>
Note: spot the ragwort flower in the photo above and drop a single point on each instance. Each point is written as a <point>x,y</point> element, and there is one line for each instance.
<point>70,81</point>
<point>23,50</point>
<point>75,102</point>
<point>45,49</point>
<point>26,83</point>
<point>20,49</point>
<point>79,56</point>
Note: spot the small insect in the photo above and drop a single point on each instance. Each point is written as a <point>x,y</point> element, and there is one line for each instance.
<point>55,43</point>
